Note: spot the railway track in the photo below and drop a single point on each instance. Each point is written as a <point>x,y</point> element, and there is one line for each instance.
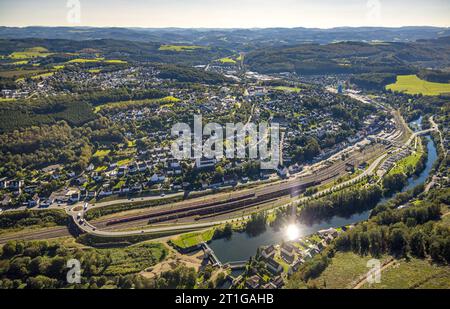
<point>243,201</point>
<point>36,235</point>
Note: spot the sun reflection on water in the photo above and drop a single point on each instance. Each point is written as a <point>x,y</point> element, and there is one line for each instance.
<point>292,232</point>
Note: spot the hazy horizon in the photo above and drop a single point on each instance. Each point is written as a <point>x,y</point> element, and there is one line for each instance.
<point>232,14</point>
<point>222,28</point>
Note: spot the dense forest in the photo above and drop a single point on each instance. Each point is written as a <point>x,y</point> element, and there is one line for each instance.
<point>190,75</point>
<point>20,219</point>
<point>436,76</point>
<point>349,57</point>
<point>377,81</point>
<point>342,203</point>
<point>22,114</point>
<point>40,146</point>
<point>41,264</point>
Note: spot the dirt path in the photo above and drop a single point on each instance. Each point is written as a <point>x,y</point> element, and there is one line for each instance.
<point>363,280</point>
<point>174,260</point>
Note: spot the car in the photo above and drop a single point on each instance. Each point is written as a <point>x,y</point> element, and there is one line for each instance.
<point>1,210</point>
<point>162,195</point>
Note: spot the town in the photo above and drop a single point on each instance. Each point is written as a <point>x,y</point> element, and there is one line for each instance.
<point>226,159</point>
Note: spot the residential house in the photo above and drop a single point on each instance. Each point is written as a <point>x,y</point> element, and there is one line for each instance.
<point>283,172</point>
<point>122,171</point>
<point>273,266</point>
<point>205,163</point>
<point>30,189</point>
<point>287,252</point>
<point>254,282</point>
<point>306,255</point>
<point>81,180</point>
<point>6,201</point>
<point>229,180</point>
<point>330,231</point>
<point>74,197</point>
<point>3,183</point>
<point>268,252</point>
<point>15,185</point>
<point>296,266</point>
<point>269,286</point>
<point>278,282</point>
<point>35,200</point>
<point>142,167</point>
<point>46,203</point>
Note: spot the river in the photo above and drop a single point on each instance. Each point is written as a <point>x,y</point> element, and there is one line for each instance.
<point>241,246</point>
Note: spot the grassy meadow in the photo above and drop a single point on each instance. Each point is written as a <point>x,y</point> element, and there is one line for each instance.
<point>413,274</point>
<point>193,239</point>
<point>180,48</point>
<point>411,84</point>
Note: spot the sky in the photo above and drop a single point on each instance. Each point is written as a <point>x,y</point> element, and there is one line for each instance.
<point>225,13</point>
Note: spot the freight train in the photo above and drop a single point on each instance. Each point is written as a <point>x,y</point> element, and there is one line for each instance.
<point>224,206</point>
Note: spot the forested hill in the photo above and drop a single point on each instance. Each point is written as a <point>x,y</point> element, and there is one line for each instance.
<point>127,50</point>
<point>229,38</point>
<point>352,57</point>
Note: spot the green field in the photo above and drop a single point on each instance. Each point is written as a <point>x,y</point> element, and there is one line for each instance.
<point>43,75</point>
<point>227,60</point>
<point>133,259</point>
<point>345,269</point>
<point>21,62</point>
<point>180,48</point>
<point>101,169</point>
<point>124,162</point>
<point>6,100</point>
<point>193,239</point>
<point>82,60</point>
<point>29,53</point>
<point>343,272</point>
<point>411,84</point>
<point>288,89</point>
<point>122,104</point>
<point>102,153</point>
<point>115,61</point>
<point>413,274</point>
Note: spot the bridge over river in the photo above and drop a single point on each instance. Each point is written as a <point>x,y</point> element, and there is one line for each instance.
<point>216,262</point>
<point>211,255</point>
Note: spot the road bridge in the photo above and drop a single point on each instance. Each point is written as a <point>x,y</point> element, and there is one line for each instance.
<point>237,265</point>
